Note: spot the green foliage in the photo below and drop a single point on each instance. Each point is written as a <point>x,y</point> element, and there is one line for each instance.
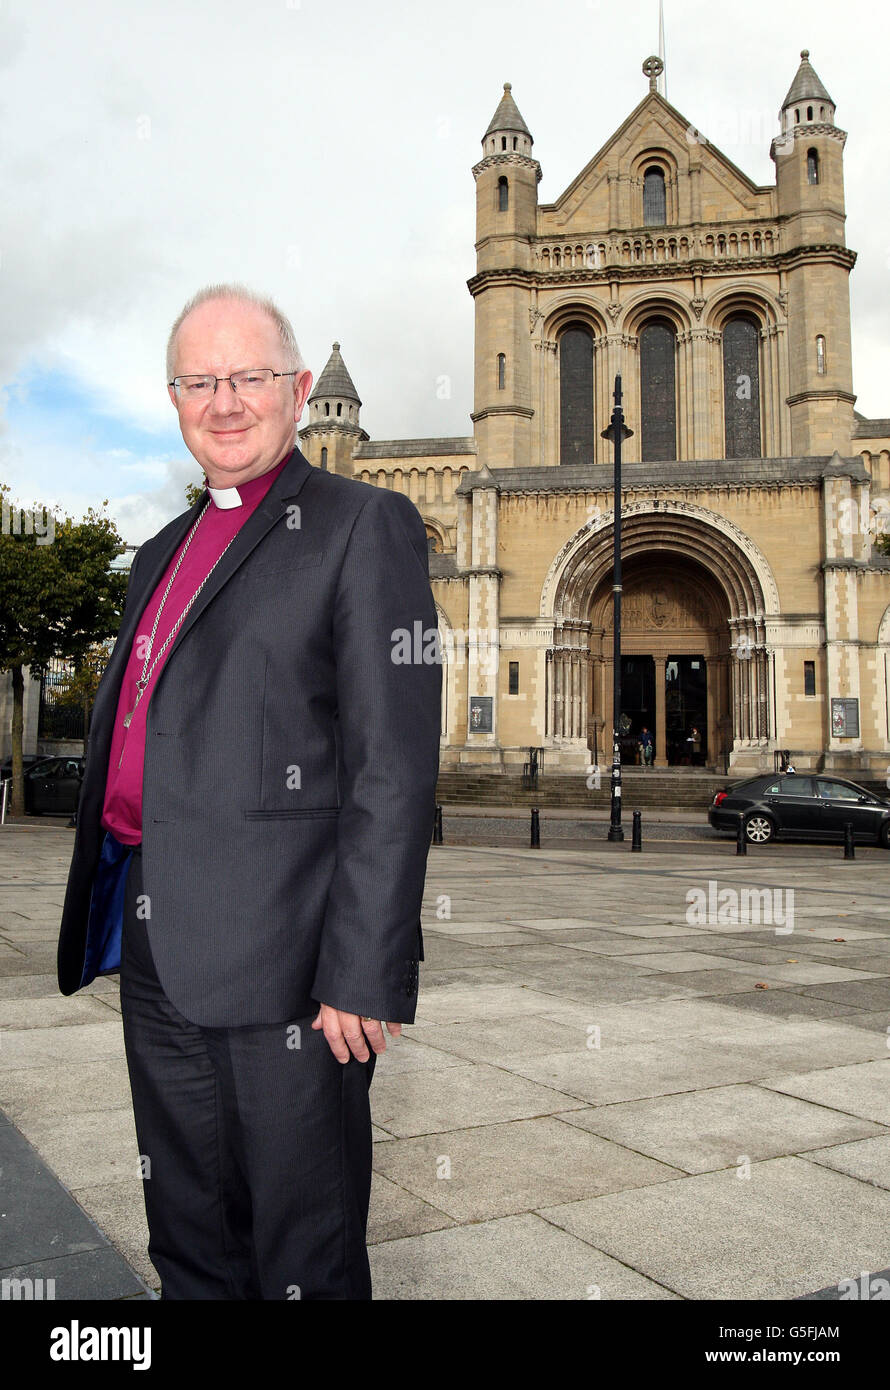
<point>193,491</point>
<point>58,598</point>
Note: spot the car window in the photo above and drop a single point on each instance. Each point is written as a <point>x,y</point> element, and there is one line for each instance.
<point>48,769</point>
<point>796,786</point>
<point>837,791</point>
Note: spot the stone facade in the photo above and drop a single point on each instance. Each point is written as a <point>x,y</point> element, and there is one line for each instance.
<point>754,595</point>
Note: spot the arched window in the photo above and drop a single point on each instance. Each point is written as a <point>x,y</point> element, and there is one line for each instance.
<point>809,113</point>
<point>576,395</point>
<point>324,457</point>
<point>339,407</point>
<point>741,388</point>
<point>797,117</point>
<point>502,371</point>
<point>503,194</point>
<point>812,166</point>
<point>658,396</point>
<point>327,407</point>
<point>820,354</point>
<point>654,198</point>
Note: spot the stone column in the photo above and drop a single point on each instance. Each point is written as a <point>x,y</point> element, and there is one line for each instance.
<point>660,713</point>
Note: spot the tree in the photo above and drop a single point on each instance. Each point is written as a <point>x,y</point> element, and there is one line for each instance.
<point>58,598</point>
<point>193,491</point>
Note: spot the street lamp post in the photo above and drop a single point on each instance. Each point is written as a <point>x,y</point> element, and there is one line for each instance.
<point>617,432</point>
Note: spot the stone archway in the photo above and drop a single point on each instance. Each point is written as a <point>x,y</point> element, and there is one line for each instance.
<point>716,592</point>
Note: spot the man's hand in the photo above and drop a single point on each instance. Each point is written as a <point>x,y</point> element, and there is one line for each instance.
<point>349,1034</point>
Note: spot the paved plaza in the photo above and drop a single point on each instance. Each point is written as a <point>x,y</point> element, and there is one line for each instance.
<point>632,1076</point>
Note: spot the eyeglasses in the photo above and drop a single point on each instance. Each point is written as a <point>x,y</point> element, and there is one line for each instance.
<point>250,384</point>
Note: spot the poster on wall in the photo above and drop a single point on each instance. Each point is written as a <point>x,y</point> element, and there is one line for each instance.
<point>480,714</point>
<point>844,718</point>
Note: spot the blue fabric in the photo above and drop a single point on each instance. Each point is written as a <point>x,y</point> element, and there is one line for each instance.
<point>106,920</point>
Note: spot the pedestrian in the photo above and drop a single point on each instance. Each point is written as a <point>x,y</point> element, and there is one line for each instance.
<point>646,746</point>
<point>253,828</point>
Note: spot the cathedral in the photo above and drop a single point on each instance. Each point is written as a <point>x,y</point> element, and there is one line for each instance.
<point>756,601</point>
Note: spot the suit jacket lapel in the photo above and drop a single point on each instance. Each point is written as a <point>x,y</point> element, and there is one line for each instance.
<point>286,486</point>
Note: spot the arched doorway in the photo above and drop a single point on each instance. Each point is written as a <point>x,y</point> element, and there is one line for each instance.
<point>696,590</point>
<point>675,661</point>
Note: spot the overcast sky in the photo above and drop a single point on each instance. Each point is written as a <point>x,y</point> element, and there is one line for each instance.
<point>321,150</point>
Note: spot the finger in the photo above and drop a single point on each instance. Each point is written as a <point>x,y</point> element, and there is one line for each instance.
<point>316,1022</point>
<point>334,1034</point>
<point>395,1029</point>
<point>374,1033</point>
<point>355,1038</point>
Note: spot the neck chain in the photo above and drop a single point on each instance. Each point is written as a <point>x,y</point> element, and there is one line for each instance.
<point>147,670</point>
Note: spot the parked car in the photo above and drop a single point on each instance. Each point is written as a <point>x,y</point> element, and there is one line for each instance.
<point>28,760</point>
<point>804,805</point>
<point>53,785</point>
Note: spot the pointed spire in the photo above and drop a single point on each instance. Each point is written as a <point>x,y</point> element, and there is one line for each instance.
<point>806,85</point>
<point>507,117</point>
<point>335,380</point>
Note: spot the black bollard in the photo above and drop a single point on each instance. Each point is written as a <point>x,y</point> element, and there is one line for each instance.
<point>535,842</point>
<point>741,840</point>
<point>849,846</point>
<point>636,843</point>
<point>437,826</point>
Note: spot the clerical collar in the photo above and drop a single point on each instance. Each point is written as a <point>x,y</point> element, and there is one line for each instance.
<point>225,497</point>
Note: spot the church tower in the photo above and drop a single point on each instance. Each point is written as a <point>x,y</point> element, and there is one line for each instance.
<point>507,180</point>
<point>333,431</point>
<point>808,155</point>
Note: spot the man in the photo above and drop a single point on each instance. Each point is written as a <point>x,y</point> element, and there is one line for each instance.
<point>253,828</point>
<point>646,746</point>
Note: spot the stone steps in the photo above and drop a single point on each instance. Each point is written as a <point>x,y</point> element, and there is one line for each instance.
<point>692,789</point>
<point>678,789</point>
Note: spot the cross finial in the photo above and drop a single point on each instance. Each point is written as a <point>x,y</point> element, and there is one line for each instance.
<point>653,68</point>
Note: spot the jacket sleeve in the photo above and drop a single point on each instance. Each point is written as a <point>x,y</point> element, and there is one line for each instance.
<point>388,687</point>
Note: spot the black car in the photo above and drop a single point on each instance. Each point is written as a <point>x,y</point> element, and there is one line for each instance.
<point>53,785</point>
<point>28,760</point>
<point>801,804</point>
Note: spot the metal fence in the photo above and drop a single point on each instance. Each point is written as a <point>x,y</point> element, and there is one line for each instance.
<point>58,718</point>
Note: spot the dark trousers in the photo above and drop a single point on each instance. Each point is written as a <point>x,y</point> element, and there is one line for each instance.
<point>255,1145</point>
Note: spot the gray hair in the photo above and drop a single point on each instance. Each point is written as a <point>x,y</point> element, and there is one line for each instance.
<point>240,294</point>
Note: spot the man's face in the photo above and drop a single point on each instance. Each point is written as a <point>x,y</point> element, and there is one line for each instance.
<point>236,439</point>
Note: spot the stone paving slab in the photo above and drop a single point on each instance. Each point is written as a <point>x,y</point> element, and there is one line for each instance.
<point>461,1096</point>
<point>701,1131</point>
<point>516,1257</point>
<point>45,1234</point>
<point>862,1089</point>
<point>501,1169</point>
<point>789,1228</point>
<point>867,1159</point>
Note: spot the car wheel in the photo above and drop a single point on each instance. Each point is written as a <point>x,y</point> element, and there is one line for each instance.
<point>884,836</point>
<point>759,830</point>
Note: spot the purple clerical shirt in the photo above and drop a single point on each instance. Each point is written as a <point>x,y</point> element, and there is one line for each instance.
<point>122,809</point>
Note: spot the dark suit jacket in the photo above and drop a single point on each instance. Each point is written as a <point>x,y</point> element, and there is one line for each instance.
<point>290,763</point>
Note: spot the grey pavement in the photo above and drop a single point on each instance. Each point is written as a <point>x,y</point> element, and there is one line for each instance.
<point>628,1079</point>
